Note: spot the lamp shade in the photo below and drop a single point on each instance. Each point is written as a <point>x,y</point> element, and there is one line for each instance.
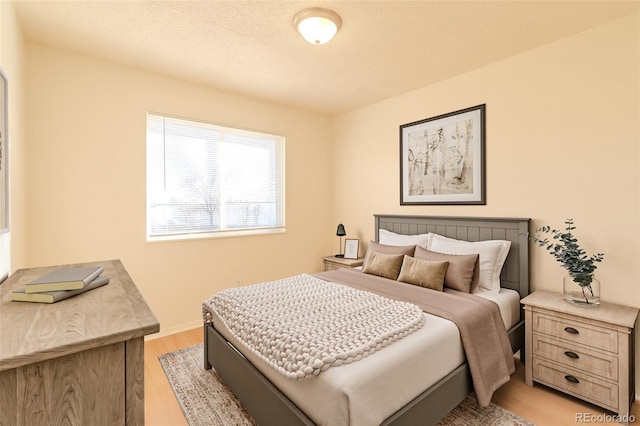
<point>341,232</point>
<point>317,25</point>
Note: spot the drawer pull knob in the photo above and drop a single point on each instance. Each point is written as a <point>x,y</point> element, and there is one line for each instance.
<point>571,379</point>
<point>572,355</point>
<point>571,330</point>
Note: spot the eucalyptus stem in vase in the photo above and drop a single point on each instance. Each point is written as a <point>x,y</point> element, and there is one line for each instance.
<point>565,249</point>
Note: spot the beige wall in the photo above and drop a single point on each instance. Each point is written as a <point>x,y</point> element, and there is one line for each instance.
<point>563,132</point>
<point>86,151</point>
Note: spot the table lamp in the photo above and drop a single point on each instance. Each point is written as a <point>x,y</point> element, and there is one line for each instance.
<point>340,233</point>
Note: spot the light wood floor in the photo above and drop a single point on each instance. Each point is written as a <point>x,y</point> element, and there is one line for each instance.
<point>538,404</point>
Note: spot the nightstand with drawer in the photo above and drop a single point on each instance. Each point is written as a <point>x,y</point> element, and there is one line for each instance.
<point>587,352</point>
<point>332,262</point>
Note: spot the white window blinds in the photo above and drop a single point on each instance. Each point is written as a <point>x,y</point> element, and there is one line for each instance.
<point>204,179</point>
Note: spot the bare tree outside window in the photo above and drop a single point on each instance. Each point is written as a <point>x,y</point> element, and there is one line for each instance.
<point>205,195</point>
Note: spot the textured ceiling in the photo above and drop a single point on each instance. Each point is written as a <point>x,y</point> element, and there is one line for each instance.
<point>383,49</point>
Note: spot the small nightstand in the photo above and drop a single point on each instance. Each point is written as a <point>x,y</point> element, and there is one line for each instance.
<point>332,262</point>
<point>587,352</point>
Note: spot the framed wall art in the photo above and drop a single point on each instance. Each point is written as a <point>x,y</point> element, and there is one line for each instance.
<point>350,248</point>
<point>442,159</point>
<point>4,153</point>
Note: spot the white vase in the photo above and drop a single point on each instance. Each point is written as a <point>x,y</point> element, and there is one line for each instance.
<point>582,295</point>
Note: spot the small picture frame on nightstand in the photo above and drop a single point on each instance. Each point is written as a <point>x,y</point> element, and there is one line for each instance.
<point>350,248</point>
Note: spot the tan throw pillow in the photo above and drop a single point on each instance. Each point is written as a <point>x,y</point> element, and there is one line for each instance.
<point>383,265</point>
<point>387,249</point>
<point>424,273</point>
<point>463,271</point>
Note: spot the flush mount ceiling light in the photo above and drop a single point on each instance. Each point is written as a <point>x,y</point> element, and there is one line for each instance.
<point>317,25</point>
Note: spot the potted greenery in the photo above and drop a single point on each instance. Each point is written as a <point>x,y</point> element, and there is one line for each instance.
<point>580,286</point>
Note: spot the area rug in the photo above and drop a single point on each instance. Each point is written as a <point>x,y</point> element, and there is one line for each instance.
<point>206,401</point>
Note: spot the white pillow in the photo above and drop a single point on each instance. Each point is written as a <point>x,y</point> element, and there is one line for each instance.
<point>392,239</point>
<point>492,254</point>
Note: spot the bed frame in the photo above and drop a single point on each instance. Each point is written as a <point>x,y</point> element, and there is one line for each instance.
<point>268,406</point>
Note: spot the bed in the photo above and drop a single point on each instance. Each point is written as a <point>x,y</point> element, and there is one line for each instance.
<point>268,404</point>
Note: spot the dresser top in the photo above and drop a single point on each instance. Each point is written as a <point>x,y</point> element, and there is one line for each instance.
<point>610,313</point>
<point>33,332</point>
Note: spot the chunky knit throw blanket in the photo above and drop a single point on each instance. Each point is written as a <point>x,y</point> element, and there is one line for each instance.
<point>303,325</point>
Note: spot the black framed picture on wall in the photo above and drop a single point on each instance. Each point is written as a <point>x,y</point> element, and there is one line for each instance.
<point>442,159</point>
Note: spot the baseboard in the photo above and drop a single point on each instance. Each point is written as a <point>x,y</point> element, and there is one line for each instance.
<point>164,332</point>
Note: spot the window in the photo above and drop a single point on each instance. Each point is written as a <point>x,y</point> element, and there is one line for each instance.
<point>206,180</point>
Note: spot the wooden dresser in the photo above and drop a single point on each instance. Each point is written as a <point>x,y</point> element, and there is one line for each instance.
<point>586,352</point>
<point>76,362</point>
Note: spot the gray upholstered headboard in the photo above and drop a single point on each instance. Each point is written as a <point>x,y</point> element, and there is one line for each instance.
<point>515,272</point>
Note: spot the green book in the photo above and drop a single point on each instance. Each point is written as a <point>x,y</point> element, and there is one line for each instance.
<point>64,279</point>
<point>55,296</point>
